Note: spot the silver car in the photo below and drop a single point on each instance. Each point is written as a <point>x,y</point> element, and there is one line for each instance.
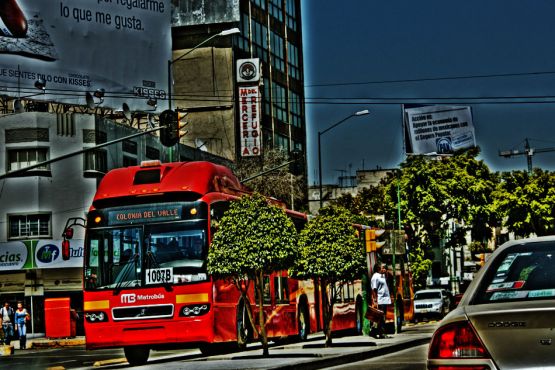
<point>506,318</point>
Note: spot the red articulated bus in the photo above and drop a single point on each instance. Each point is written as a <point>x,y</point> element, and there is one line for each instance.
<point>145,283</point>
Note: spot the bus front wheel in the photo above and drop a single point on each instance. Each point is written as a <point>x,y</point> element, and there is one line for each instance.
<point>136,355</point>
<point>244,332</point>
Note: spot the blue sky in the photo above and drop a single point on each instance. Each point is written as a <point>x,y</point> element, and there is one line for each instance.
<point>356,51</point>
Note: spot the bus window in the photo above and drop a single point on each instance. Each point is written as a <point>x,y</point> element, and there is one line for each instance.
<point>281,290</point>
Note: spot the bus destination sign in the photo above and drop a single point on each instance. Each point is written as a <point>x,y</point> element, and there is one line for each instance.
<point>152,213</point>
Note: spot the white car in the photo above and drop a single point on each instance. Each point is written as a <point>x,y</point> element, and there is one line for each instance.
<point>431,303</point>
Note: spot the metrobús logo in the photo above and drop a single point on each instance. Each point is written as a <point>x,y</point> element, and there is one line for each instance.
<point>13,255</point>
<point>132,297</point>
<point>48,253</point>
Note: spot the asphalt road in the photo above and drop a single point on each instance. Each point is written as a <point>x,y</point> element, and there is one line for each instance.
<point>79,358</point>
<point>408,359</point>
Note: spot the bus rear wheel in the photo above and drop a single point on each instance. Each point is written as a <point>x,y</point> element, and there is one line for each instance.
<point>136,355</point>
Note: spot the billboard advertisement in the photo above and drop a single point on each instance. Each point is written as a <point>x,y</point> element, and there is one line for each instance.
<point>439,129</point>
<point>76,46</point>
<point>201,12</point>
<point>33,254</point>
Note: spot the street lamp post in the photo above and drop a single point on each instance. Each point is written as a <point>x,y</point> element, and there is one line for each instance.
<point>320,133</point>
<point>170,62</point>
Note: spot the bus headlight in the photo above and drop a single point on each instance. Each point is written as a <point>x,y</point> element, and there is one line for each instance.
<point>194,310</point>
<point>96,316</point>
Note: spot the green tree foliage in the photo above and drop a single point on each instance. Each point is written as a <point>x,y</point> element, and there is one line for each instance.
<point>527,202</point>
<point>331,254</point>
<point>254,239</point>
<point>435,193</point>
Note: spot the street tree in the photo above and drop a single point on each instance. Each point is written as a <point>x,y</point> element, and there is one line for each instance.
<point>279,184</point>
<point>254,239</point>
<point>527,202</point>
<point>331,254</point>
<point>436,194</point>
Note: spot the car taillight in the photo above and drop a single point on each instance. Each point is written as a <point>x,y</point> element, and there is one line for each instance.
<point>457,340</point>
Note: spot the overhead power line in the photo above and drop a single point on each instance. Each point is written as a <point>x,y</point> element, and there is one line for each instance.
<point>425,79</point>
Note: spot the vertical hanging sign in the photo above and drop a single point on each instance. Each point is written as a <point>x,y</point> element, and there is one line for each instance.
<point>248,77</point>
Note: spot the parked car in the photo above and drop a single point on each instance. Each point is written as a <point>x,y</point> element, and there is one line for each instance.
<point>505,318</point>
<point>431,303</point>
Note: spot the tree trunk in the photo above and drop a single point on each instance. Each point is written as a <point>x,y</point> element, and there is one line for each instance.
<point>261,321</point>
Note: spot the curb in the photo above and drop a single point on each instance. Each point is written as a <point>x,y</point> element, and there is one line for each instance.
<point>54,343</point>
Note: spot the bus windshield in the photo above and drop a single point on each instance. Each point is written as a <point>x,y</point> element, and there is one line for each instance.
<point>145,255</point>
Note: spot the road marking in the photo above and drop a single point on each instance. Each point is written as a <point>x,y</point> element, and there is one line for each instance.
<point>109,362</point>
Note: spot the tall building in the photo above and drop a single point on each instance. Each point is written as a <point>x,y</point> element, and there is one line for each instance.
<point>205,77</point>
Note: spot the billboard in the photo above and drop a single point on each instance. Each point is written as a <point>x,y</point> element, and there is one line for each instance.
<point>201,12</point>
<point>33,254</point>
<point>79,46</point>
<point>438,129</point>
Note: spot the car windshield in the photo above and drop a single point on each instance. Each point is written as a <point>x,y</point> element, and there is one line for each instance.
<point>522,273</point>
<point>145,255</point>
<point>427,295</point>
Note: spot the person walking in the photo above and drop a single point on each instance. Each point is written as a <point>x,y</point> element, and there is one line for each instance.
<point>21,318</point>
<point>7,315</point>
<point>380,296</point>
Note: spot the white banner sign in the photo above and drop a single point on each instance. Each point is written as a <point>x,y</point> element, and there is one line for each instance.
<point>79,46</point>
<point>249,106</point>
<point>439,129</point>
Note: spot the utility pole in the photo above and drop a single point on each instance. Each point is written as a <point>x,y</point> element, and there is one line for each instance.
<point>528,152</point>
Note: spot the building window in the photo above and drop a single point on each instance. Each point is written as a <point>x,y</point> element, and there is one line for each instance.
<point>295,109</point>
<point>278,54</point>
<point>282,142</point>
<point>129,161</point>
<point>21,158</point>
<point>293,61</point>
<point>129,146</point>
<point>242,39</point>
<point>260,40</point>
<point>25,226</point>
<point>266,97</point>
<point>96,160</point>
<point>291,11</point>
<point>297,145</point>
<point>275,9</point>
<point>279,102</point>
<point>152,153</point>
<point>260,3</point>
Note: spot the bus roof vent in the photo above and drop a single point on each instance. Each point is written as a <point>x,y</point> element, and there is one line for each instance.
<point>151,176</point>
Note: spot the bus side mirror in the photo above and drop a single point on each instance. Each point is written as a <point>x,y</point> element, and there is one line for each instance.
<point>68,233</point>
<point>65,250</point>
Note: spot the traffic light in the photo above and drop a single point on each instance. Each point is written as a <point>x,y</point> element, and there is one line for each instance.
<point>171,125</point>
<point>297,163</point>
<point>372,244</point>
